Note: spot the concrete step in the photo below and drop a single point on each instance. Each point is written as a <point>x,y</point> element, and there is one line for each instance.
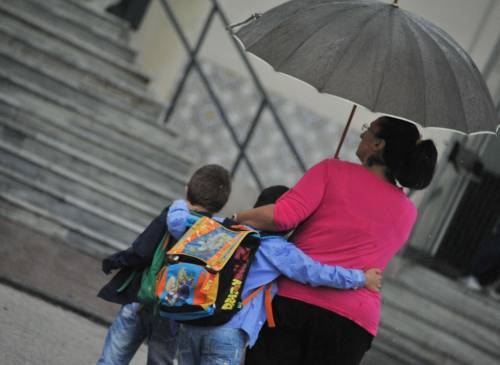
<point>448,293</point>
<point>28,27</point>
<point>47,13</point>
<point>71,135</point>
<point>390,350</point>
<point>86,97</point>
<point>94,153</point>
<point>23,188</point>
<point>430,318</point>
<point>32,161</point>
<point>152,134</point>
<point>58,272</point>
<point>84,167</point>
<point>17,103</point>
<point>100,22</point>
<point>444,318</point>
<point>425,336</point>
<point>73,234</point>
<point>376,357</point>
<point>403,349</point>
<point>63,212</point>
<point>59,67</point>
<point>119,211</point>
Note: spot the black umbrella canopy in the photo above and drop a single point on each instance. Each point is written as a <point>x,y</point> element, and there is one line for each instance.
<point>377,55</point>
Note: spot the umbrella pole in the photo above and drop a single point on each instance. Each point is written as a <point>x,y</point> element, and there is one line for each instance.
<point>344,134</point>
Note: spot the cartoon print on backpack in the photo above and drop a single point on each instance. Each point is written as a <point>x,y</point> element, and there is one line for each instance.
<point>171,291</point>
<point>184,284</point>
<point>206,246</point>
<point>178,287</point>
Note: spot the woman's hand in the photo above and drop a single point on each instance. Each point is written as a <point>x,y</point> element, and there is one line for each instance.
<point>373,279</point>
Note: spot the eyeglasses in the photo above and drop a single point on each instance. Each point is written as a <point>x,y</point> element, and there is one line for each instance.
<point>366,127</point>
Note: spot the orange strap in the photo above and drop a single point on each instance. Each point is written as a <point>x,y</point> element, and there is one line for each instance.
<point>253,295</point>
<point>269,306</point>
<point>268,302</point>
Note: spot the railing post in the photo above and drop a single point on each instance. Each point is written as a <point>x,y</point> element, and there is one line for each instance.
<point>189,65</point>
<point>193,64</point>
<point>261,89</point>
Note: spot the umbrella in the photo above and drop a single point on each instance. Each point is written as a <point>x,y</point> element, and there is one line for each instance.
<point>377,55</point>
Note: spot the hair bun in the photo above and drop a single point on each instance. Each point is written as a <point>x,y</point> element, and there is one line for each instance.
<point>409,159</point>
<point>422,157</point>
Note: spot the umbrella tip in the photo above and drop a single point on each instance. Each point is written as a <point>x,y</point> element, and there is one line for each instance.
<point>250,19</point>
<point>396,3</point>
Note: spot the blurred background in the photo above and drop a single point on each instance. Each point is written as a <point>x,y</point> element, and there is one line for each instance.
<point>106,107</point>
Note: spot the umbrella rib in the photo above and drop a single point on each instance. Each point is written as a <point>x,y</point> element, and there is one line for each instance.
<point>469,64</point>
<point>289,17</point>
<point>370,18</point>
<point>425,34</point>
<point>420,54</point>
<point>283,21</point>
<point>377,97</point>
<point>308,38</point>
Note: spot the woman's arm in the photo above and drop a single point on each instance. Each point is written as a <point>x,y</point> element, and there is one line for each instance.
<point>294,206</point>
<point>261,218</point>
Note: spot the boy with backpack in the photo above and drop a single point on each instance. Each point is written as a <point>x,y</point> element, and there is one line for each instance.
<point>204,345</point>
<point>207,192</point>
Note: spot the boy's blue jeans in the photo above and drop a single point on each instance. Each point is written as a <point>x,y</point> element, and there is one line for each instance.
<point>211,345</point>
<point>130,328</point>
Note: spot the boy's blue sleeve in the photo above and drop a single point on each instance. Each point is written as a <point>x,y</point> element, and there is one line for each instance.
<point>177,218</point>
<point>296,265</point>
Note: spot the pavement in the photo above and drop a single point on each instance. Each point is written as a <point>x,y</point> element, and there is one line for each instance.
<point>49,312</point>
<point>47,267</point>
<point>36,332</point>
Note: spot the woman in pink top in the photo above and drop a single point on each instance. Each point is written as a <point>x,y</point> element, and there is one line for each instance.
<point>350,215</point>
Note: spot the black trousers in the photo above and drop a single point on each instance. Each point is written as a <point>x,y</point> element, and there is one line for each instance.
<point>307,334</point>
<point>486,262</point>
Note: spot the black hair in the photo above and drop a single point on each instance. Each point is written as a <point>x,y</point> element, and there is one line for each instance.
<point>408,160</point>
<point>270,195</point>
<point>209,187</point>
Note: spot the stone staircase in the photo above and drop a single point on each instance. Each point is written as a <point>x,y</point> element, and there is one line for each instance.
<point>428,319</point>
<point>82,154</point>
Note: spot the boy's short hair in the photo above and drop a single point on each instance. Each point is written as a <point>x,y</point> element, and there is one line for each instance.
<point>270,195</point>
<point>209,187</point>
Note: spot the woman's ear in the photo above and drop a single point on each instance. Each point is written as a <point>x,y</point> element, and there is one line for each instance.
<point>378,145</point>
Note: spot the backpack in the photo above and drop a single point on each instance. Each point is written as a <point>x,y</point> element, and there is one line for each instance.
<point>204,272</point>
<point>149,276</point>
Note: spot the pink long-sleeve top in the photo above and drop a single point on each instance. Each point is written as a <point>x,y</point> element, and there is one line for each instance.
<point>351,217</point>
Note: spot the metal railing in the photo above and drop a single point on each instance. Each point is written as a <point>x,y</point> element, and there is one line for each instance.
<point>193,65</point>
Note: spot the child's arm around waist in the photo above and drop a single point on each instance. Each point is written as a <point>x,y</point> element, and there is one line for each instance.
<point>290,261</point>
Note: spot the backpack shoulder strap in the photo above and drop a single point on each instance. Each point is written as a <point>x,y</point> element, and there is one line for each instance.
<point>127,282</point>
<point>268,299</point>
